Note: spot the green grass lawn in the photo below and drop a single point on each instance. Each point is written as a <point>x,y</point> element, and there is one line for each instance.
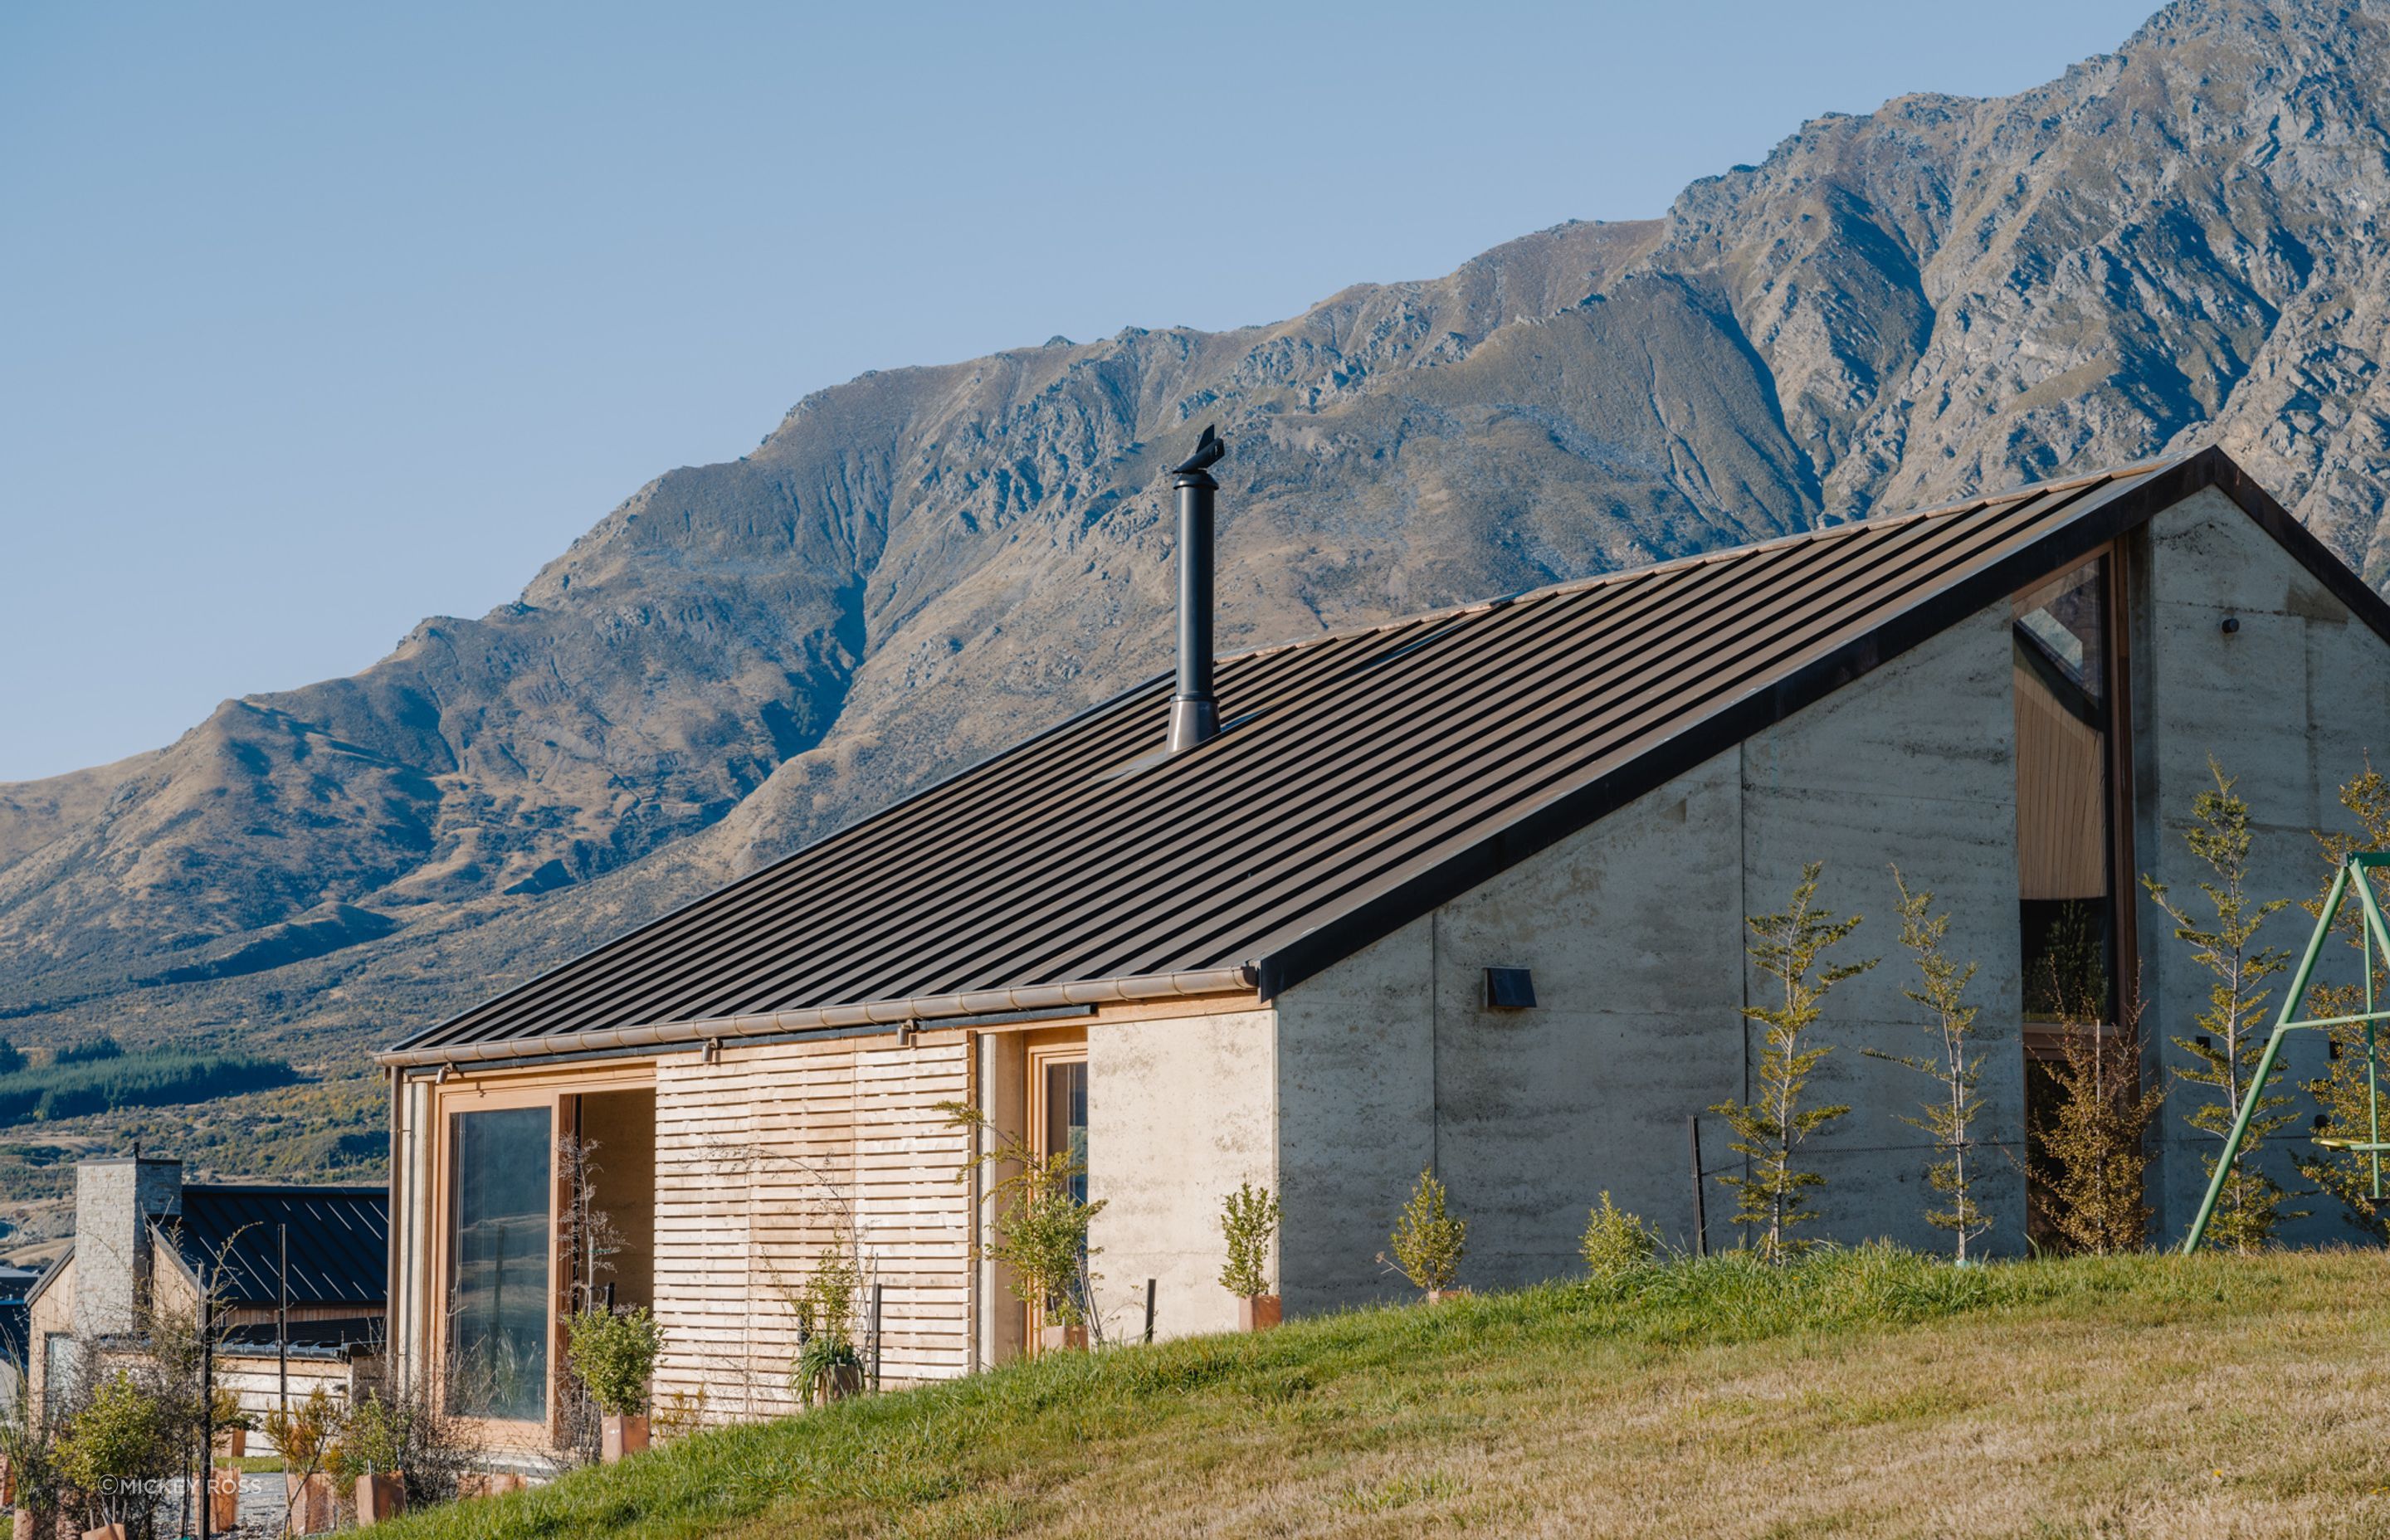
<point>1864,1392</point>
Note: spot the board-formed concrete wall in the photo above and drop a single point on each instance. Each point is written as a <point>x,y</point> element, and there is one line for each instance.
<point>1180,1110</point>
<point>1914,765</point>
<point>2291,703</point>
<point>1390,1061</point>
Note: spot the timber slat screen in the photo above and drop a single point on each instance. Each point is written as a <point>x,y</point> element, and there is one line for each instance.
<point>758,1157</point>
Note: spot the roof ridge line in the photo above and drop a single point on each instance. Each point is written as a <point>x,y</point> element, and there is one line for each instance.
<point>1704,559</point>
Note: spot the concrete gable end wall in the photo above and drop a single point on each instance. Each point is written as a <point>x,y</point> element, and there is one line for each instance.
<point>2291,703</point>
<point>1390,1061</point>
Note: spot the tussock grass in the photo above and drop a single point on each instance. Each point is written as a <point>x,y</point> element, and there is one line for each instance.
<point>1862,1392</point>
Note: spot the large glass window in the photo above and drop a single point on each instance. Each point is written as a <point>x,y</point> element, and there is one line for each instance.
<point>498,1298</point>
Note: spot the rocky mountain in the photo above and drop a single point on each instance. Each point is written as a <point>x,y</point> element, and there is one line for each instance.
<point>2178,243</point>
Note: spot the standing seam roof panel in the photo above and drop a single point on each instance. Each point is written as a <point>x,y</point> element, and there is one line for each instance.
<point>1353,763</point>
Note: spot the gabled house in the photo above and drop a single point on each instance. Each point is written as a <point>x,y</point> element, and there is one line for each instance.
<point>1464,892</point>
<point>299,1275</point>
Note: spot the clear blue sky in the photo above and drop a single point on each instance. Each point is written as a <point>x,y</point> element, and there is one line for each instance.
<point>315,319</point>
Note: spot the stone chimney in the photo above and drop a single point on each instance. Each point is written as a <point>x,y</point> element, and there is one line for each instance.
<point>115,1201</point>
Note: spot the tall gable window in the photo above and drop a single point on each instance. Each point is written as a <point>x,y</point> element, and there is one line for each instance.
<point>2064,722</point>
<point>2070,821</point>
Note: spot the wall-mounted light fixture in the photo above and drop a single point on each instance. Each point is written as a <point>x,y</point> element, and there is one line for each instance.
<point>1509,988</point>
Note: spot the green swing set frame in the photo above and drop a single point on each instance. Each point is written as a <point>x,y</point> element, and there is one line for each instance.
<point>2373,933</point>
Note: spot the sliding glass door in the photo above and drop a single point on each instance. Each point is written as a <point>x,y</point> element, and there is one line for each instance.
<point>499,1288</point>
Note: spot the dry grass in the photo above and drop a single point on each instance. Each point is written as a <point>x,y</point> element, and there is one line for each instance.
<point>2136,1397</point>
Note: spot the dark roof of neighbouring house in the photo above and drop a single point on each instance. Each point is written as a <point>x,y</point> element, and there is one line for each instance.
<point>1362,777</point>
<point>327,1337</point>
<point>338,1240</point>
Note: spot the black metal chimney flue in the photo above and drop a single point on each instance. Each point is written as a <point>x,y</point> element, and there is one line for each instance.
<point>1193,715</point>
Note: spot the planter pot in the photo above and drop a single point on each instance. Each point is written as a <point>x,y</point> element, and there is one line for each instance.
<point>105,1531</point>
<point>233,1443</point>
<point>837,1383</point>
<point>380,1498</point>
<point>621,1435</point>
<point>223,1499</point>
<point>314,1509</point>
<point>1437,1296</point>
<point>1061,1338</point>
<point>1258,1312</point>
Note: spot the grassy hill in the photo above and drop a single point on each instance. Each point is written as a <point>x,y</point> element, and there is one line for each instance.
<point>1864,1393</point>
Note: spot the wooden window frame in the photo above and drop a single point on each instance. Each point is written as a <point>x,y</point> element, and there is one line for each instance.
<point>1067,1046</point>
<point>556,1091</point>
<point>1041,1057</point>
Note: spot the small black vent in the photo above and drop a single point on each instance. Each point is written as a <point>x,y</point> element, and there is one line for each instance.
<point>1509,988</point>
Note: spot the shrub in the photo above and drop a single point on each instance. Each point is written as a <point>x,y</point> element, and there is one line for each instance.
<point>614,1352</point>
<point>112,1444</point>
<point>1040,1231</point>
<point>372,1441</point>
<point>1427,1242</point>
<point>224,1412</point>
<point>2096,1139</point>
<point>1616,1242</point>
<point>824,1305</point>
<point>1249,1218</point>
<point>32,1455</point>
<point>677,1416</point>
<point>308,1435</point>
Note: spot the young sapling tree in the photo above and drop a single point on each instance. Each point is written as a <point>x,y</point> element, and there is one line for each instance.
<point>1954,1066</point>
<point>1789,947</point>
<point>2345,1092</point>
<point>1041,1226</point>
<point>2233,1031</point>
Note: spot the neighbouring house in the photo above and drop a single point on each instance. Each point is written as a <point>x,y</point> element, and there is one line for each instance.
<point>15,1284</point>
<point>1465,891</point>
<point>298,1273</point>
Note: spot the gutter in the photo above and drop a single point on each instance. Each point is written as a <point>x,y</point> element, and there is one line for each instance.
<point>666,1035</point>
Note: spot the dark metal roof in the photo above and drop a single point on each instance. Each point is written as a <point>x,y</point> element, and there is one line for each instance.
<point>340,1241</point>
<point>1362,778</point>
<point>330,1338</point>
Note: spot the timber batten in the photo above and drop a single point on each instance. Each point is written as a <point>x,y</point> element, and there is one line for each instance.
<point>757,1157</point>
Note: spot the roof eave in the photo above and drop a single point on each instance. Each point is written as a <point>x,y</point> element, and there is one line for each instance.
<point>675,1036</point>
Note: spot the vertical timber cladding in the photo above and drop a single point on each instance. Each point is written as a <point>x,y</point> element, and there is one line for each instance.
<point>761,1158</point>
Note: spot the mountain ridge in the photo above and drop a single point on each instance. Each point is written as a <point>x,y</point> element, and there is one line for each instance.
<point>2173,244</point>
